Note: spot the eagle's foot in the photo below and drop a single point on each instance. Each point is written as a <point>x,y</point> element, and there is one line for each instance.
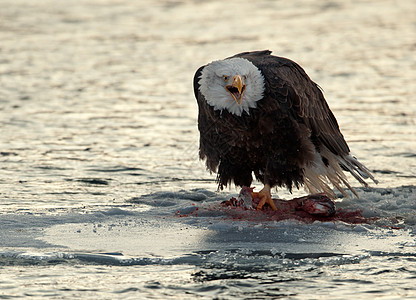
<point>265,196</point>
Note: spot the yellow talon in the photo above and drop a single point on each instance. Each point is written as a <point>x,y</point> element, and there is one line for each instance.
<point>265,197</point>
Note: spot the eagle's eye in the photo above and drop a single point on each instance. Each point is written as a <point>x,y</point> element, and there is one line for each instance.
<point>225,77</point>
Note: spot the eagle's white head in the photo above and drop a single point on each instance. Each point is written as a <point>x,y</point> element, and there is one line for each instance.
<point>234,84</point>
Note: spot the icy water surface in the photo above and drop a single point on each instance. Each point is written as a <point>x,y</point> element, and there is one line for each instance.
<point>102,194</point>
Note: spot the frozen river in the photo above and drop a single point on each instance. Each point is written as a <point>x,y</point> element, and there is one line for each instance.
<point>101,191</point>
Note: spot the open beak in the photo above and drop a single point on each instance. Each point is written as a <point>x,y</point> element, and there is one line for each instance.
<point>236,89</point>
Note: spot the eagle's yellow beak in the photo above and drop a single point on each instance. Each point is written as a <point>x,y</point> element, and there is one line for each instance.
<point>237,88</point>
<point>238,83</point>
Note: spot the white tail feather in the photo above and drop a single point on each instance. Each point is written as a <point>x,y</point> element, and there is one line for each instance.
<point>361,169</point>
<point>318,175</point>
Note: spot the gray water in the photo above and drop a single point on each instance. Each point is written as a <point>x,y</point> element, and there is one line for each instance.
<point>99,150</point>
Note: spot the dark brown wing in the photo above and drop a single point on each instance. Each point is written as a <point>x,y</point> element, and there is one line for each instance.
<point>207,141</point>
<point>196,82</point>
<point>288,83</point>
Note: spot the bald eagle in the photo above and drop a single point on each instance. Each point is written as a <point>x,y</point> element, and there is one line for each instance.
<point>262,114</point>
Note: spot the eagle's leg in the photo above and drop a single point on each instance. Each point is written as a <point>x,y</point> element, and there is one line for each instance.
<point>265,196</point>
